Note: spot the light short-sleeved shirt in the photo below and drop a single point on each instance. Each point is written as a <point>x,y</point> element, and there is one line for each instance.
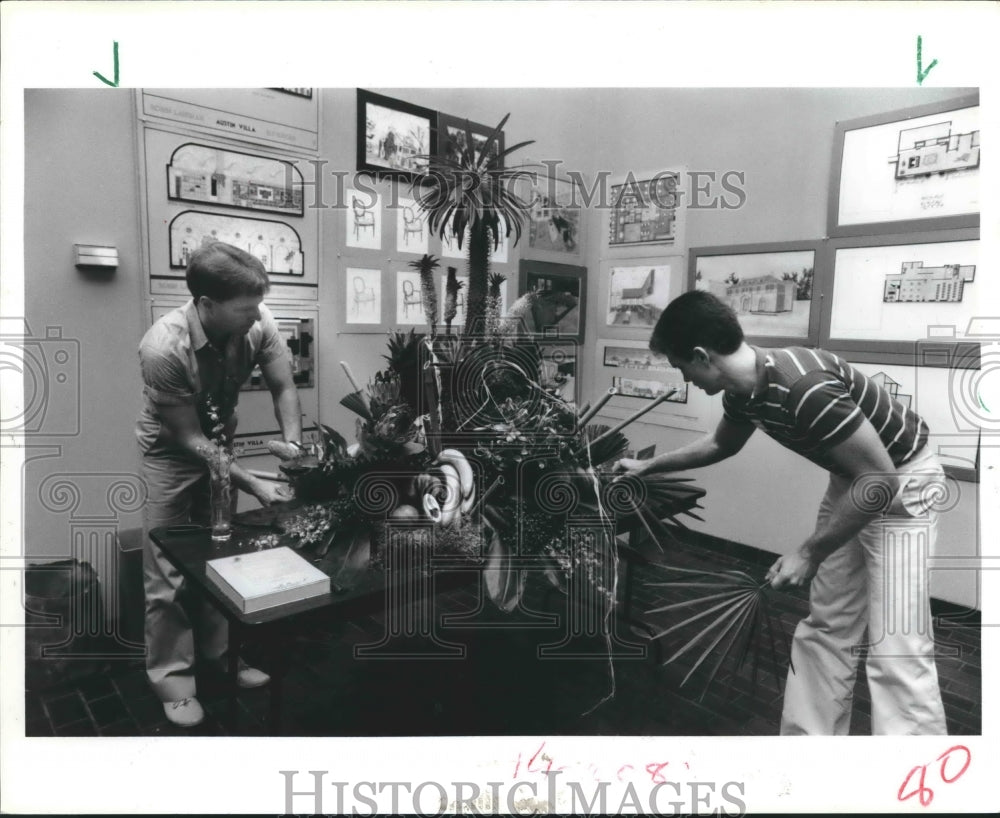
<point>180,367</point>
<point>813,400</point>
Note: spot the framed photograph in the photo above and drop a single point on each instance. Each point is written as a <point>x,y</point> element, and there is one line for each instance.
<point>555,218</point>
<point>276,244</point>
<point>451,137</point>
<point>645,210</point>
<point>363,298</point>
<point>895,300</point>
<point>412,233</point>
<point>363,216</point>
<point>638,291</point>
<point>394,137</point>
<point>554,297</point>
<point>907,171</point>
<point>210,175</point>
<point>771,287</point>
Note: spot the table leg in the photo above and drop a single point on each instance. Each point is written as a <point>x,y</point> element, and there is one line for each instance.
<point>235,643</point>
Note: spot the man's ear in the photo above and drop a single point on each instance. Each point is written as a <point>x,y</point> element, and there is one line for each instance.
<point>700,355</point>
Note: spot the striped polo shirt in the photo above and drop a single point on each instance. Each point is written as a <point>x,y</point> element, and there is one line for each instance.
<point>814,400</point>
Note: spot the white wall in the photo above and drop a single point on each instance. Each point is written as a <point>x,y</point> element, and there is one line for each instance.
<point>80,187</point>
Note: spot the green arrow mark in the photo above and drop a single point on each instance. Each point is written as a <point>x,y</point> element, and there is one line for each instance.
<point>114,84</point>
<point>921,74</point>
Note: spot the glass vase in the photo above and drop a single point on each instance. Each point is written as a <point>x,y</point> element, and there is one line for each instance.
<point>221,494</point>
<point>222,507</point>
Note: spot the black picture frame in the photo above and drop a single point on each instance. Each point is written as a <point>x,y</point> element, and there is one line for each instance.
<point>568,323</point>
<point>446,145</point>
<point>924,143</point>
<point>375,110</point>
<point>796,248</point>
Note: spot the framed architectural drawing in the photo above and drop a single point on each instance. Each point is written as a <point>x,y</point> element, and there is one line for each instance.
<point>555,218</point>
<point>412,234</point>
<point>276,244</point>
<point>363,297</point>
<point>771,287</point>
<point>905,171</point>
<point>639,289</point>
<point>363,216</point>
<point>891,296</point>
<point>452,138</point>
<point>645,210</point>
<point>937,395</point>
<point>641,373</point>
<point>394,137</point>
<point>410,300</point>
<point>640,376</point>
<point>557,303</point>
<point>210,175</point>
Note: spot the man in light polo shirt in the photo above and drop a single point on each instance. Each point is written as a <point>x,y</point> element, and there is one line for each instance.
<point>193,361</point>
<point>882,476</point>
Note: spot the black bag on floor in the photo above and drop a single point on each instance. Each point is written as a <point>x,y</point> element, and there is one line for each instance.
<point>64,618</point>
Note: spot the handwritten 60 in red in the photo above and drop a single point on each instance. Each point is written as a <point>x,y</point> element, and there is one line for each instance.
<point>959,754</point>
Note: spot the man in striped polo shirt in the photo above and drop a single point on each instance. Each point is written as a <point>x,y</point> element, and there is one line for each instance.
<point>883,480</point>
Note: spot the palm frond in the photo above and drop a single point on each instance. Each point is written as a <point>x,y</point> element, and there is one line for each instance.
<point>356,403</point>
<point>742,625</point>
<point>601,447</point>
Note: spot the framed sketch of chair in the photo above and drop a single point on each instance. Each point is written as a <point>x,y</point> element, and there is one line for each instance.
<point>362,294</point>
<point>363,217</point>
<point>411,297</point>
<point>412,223</point>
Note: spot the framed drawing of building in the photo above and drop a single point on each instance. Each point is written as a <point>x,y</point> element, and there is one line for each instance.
<point>770,287</point>
<point>893,298</point>
<point>907,171</point>
<point>645,210</point>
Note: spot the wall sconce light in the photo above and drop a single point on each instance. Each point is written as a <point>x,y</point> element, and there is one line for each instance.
<point>93,255</point>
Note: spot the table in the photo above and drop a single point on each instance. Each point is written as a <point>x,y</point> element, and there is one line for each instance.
<point>189,547</point>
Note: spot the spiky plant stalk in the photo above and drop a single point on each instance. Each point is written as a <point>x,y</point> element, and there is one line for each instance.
<point>451,288</point>
<point>493,304</point>
<point>473,193</point>
<point>426,265</point>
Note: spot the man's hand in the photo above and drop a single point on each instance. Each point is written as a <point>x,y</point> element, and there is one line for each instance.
<point>792,569</point>
<point>268,492</point>
<point>628,465</point>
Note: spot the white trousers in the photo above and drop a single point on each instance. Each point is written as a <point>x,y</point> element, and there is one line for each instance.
<point>879,581</point>
<point>180,625</point>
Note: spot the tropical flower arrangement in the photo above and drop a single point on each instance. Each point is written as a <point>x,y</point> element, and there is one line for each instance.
<point>459,436</point>
<point>459,433</point>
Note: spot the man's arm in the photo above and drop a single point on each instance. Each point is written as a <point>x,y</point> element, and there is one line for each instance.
<point>864,459</point>
<point>727,439</point>
<point>182,421</point>
<point>287,408</point>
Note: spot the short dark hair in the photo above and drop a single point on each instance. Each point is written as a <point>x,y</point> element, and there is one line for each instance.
<point>220,271</point>
<point>696,319</point>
